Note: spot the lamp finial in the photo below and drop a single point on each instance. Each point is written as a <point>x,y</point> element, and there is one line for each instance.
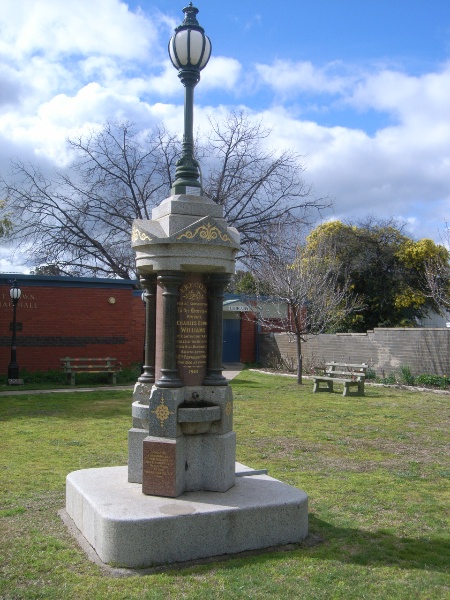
<point>190,18</point>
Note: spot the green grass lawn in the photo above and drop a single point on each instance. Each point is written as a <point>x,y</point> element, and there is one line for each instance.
<point>376,470</point>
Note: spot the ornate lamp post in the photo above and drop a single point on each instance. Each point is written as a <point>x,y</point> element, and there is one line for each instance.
<point>189,51</point>
<point>13,370</point>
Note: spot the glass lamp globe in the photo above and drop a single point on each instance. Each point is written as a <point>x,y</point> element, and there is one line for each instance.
<point>15,292</point>
<point>189,47</point>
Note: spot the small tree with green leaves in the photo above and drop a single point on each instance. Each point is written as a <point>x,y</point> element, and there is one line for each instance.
<point>399,280</point>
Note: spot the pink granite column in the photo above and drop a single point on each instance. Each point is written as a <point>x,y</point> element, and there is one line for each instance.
<point>170,282</point>
<point>148,374</point>
<point>216,282</point>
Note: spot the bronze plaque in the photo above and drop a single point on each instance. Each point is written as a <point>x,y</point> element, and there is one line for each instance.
<point>192,327</point>
<point>159,468</point>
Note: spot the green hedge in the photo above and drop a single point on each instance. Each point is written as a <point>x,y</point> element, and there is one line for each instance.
<point>433,380</point>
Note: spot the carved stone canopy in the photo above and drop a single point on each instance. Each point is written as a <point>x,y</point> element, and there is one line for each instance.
<point>186,233</point>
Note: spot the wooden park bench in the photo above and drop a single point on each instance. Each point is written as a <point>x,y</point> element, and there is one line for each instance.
<point>109,365</point>
<point>351,375</point>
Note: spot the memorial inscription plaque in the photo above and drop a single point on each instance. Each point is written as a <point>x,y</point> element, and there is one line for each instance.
<point>192,322</point>
<point>159,468</point>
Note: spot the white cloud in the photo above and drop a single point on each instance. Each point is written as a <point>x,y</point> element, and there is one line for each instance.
<point>396,172</point>
<point>73,65</point>
<point>221,73</point>
<point>11,87</point>
<point>166,84</point>
<point>69,66</point>
<point>64,116</point>
<point>423,98</point>
<point>12,262</point>
<point>75,27</point>
<point>289,78</point>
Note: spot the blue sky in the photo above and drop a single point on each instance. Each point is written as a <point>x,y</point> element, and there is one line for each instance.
<point>360,88</point>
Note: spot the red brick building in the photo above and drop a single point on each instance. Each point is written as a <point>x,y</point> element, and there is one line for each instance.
<point>89,317</point>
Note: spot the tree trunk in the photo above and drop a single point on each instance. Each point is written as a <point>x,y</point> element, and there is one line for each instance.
<point>299,359</point>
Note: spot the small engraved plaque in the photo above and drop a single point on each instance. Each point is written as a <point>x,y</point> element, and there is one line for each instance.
<point>193,191</point>
<point>159,468</point>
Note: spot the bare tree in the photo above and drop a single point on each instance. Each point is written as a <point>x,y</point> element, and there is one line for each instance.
<point>79,220</point>
<point>5,222</point>
<point>257,187</point>
<point>438,286</point>
<point>305,290</point>
<point>437,274</point>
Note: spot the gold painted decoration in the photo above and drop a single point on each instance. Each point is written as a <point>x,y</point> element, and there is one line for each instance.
<point>207,232</point>
<point>162,412</point>
<point>138,235</point>
<point>193,291</point>
<point>228,409</point>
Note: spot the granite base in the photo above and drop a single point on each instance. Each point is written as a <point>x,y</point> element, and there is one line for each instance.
<point>129,529</point>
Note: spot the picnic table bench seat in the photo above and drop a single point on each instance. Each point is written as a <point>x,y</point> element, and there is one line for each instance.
<point>109,365</point>
<point>349,374</point>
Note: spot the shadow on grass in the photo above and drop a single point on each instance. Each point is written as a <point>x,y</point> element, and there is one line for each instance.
<point>327,542</point>
<point>379,548</point>
<point>340,545</point>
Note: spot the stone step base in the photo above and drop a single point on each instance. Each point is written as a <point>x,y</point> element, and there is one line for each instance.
<point>129,529</point>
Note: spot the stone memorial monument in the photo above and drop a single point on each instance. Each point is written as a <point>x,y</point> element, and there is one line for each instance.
<point>183,496</point>
<point>182,439</point>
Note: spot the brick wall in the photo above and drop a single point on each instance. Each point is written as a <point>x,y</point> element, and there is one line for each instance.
<point>81,321</point>
<point>385,350</point>
<point>81,317</point>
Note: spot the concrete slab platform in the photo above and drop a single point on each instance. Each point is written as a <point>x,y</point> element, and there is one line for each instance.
<point>128,529</point>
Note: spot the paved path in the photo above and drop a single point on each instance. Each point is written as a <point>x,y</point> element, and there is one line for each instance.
<point>230,371</point>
